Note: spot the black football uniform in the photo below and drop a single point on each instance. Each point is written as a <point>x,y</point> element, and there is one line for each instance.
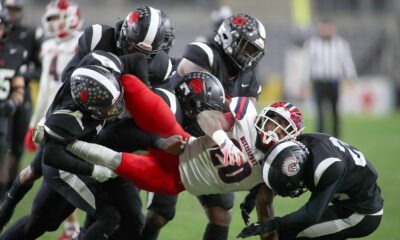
<point>30,41</point>
<point>11,60</point>
<point>211,57</point>
<point>345,199</point>
<point>102,37</point>
<point>69,177</point>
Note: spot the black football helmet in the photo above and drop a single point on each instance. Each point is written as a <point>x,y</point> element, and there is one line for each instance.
<point>15,7</point>
<point>4,22</point>
<point>242,39</point>
<point>96,90</point>
<point>199,91</point>
<point>143,30</point>
<point>284,168</point>
<point>169,36</point>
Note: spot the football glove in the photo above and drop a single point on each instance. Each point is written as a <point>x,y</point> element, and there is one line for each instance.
<point>102,174</point>
<point>231,154</point>
<point>257,228</point>
<point>246,207</point>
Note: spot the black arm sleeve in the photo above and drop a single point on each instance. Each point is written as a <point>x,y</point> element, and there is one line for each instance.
<point>124,136</point>
<point>7,108</point>
<point>136,64</point>
<point>313,210</point>
<point>55,155</point>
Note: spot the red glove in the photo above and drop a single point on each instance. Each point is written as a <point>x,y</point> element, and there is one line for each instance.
<point>30,145</point>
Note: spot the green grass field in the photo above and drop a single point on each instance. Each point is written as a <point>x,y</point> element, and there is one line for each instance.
<point>377,138</point>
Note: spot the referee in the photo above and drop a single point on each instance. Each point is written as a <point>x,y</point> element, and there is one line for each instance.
<point>329,61</point>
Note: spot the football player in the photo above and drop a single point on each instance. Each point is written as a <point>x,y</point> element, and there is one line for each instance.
<point>61,22</point>
<point>92,96</point>
<point>231,56</point>
<point>236,50</point>
<point>30,40</point>
<point>345,198</point>
<point>12,88</point>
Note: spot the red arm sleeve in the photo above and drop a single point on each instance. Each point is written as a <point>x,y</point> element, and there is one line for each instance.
<point>149,111</point>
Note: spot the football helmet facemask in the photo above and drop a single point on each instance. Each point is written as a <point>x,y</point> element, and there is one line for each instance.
<point>284,168</point>
<point>169,37</point>
<point>62,18</point>
<point>278,122</point>
<point>143,29</point>
<point>96,90</point>
<point>242,39</point>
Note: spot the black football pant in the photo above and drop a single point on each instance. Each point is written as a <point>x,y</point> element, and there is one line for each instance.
<point>18,125</point>
<point>337,224</point>
<point>327,95</point>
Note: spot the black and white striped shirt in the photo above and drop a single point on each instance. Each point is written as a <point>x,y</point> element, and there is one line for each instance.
<point>328,59</point>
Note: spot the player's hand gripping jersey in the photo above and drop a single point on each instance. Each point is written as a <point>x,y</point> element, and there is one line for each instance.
<point>201,164</point>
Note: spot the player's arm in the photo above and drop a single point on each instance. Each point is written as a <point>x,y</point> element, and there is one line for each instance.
<point>214,124</point>
<point>211,121</point>
<point>16,98</point>
<point>186,66</point>
<point>265,210</point>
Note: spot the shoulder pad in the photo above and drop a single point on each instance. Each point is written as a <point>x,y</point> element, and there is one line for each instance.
<point>240,106</point>
<point>200,53</point>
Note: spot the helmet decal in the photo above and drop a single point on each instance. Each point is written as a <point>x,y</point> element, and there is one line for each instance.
<point>290,166</point>
<point>239,20</point>
<point>84,95</point>
<point>134,17</point>
<point>197,85</point>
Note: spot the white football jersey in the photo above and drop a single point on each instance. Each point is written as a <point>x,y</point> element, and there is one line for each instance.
<point>201,168</point>
<point>55,54</point>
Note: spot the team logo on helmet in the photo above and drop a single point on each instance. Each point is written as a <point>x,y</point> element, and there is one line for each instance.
<point>239,20</point>
<point>197,85</point>
<point>290,166</point>
<point>84,95</point>
<point>134,17</point>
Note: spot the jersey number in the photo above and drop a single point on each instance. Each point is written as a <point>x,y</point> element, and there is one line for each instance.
<point>229,174</point>
<point>357,156</point>
<point>5,86</point>
<point>53,68</point>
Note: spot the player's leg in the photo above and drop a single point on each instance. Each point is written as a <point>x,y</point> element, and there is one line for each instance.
<point>149,110</point>
<point>337,223</point>
<point>19,123</point>
<point>218,208</point>
<point>319,99</point>
<point>155,172</point>
<point>40,219</point>
<point>21,185</point>
<point>160,210</point>
<point>88,195</point>
<point>334,98</point>
<point>3,161</point>
<point>126,198</point>
<point>152,173</point>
